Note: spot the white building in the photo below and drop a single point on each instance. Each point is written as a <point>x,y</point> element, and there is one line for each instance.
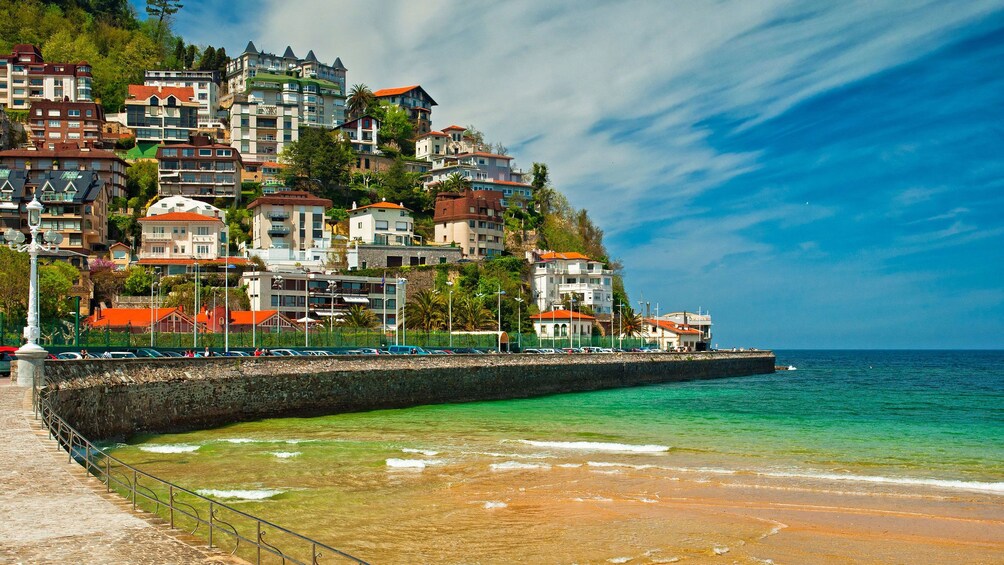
<point>183,204</point>
<point>383,223</point>
<point>698,321</point>
<point>558,324</point>
<point>25,77</point>
<point>206,85</point>
<point>182,235</point>
<point>670,336</point>
<point>261,130</point>
<point>287,230</point>
<point>556,276</point>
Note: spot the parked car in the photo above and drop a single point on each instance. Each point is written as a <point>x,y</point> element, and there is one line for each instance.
<point>147,352</point>
<point>406,350</point>
<point>368,351</point>
<point>69,355</point>
<point>286,353</point>
<point>236,353</point>
<point>6,356</point>
<point>118,355</point>
<point>172,354</point>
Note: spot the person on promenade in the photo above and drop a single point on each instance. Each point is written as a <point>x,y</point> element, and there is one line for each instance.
<point>208,353</point>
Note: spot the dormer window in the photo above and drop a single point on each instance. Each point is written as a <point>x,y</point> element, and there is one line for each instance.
<point>154,101</point>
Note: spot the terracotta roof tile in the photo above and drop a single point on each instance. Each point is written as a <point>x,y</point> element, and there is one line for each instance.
<point>387,205</point>
<point>142,92</point>
<point>180,217</point>
<point>395,91</point>
<point>568,256</point>
<point>558,315</point>
<point>673,327</point>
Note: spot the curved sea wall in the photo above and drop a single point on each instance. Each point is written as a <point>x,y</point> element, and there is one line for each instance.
<point>116,398</point>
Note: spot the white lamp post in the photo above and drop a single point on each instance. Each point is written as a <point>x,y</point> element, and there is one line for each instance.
<point>30,355</point>
<point>450,311</point>
<point>519,322</point>
<point>306,310</point>
<point>153,283</point>
<point>404,302</point>
<point>620,327</point>
<point>500,293</point>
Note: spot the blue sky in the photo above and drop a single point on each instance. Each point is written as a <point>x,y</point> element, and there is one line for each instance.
<point>814,175</point>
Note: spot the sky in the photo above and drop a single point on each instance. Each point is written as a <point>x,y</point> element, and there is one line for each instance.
<point>814,175</point>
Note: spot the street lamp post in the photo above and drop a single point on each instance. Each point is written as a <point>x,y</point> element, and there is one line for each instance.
<point>153,282</point>
<point>277,285</point>
<point>519,322</point>
<point>30,355</point>
<point>620,326</point>
<point>449,315</point>
<point>399,319</point>
<point>500,293</point>
<point>195,311</point>
<point>306,309</point>
<point>571,315</point>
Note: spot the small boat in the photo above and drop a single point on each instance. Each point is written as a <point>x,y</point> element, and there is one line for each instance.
<point>785,368</point>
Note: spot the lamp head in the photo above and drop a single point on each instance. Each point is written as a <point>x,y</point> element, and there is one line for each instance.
<point>52,236</point>
<point>34,213</point>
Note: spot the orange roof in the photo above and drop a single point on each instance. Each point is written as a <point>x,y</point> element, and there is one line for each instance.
<point>244,317</point>
<point>505,182</point>
<point>673,327</point>
<point>180,217</point>
<point>121,317</point>
<point>431,133</point>
<point>455,127</point>
<point>387,205</point>
<point>558,315</point>
<point>485,154</point>
<point>395,91</point>
<point>568,256</point>
<point>273,164</point>
<point>141,92</point>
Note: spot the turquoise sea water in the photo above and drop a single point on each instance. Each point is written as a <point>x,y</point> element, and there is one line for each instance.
<point>844,420</point>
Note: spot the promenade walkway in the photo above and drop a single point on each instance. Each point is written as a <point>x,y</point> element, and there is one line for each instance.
<point>52,512</point>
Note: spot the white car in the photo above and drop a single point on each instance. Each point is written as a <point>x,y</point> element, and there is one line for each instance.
<point>69,355</point>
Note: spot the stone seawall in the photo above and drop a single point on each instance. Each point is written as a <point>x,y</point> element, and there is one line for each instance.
<point>116,398</point>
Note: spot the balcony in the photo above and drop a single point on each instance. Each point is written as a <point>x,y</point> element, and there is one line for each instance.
<point>279,231</point>
<point>157,237</point>
<point>204,238</point>
<point>278,216</point>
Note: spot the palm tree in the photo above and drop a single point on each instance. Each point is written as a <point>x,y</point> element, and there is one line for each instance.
<point>358,317</point>
<point>632,323</point>
<point>470,314</point>
<point>425,311</point>
<point>456,182</point>
<point>359,100</point>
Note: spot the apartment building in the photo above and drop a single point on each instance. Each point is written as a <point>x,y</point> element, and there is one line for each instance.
<point>484,171</point>
<point>183,204</point>
<point>75,205</point>
<point>25,77</point>
<point>363,132</point>
<point>317,89</point>
<point>199,169</point>
<point>185,236</point>
<point>161,114</point>
<point>51,122</point>
<point>471,220</point>
<point>322,298</point>
<point>205,85</point>
<point>558,276</point>
<point>453,140</point>
<point>69,156</point>
<point>383,223</point>
<point>288,228</point>
<point>415,100</point>
<point>260,131</point>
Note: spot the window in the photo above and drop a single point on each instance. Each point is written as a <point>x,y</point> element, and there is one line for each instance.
<point>76,113</point>
<point>158,250</point>
<point>169,153</point>
<point>205,152</point>
<point>223,152</point>
<point>202,230</point>
<point>381,225</point>
<point>54,123</point>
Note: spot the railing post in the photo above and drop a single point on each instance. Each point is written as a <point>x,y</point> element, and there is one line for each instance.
<point>258,541</point>
<point>210,524</point>
<point>134,490</point>
<point>108,473</point>
<point>170,505</point>
<point>69,449</point>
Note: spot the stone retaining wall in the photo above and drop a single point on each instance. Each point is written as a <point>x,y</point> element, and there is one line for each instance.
<point>116,398</point>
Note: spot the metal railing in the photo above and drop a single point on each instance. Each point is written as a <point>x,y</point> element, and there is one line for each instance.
<point>184,509</point>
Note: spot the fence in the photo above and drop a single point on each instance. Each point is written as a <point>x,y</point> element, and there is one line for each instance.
<point>224,527</point>
<point>62,335</point>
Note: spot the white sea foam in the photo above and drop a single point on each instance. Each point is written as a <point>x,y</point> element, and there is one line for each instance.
<point>172,448</point>
<point>594,499</point>
<point>598,446</point>
<point>412,463</point>
<point>260,494</point>
<point>243,440</point>
<point>421,451</point>
<point>978,486</point>
<point>618,560</point>
<point>570,465</point>
<point>285,454</point>
<point>516,465</point>
<point>608,464</point>
<point>719,550</point>
<point>493,504</point>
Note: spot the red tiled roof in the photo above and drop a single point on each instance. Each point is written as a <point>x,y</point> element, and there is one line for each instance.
<point>291,198</point>
<point>431,133</point>
<point>180,217</point>
<point>395,91</point>
<point>455,127</point>
<point>142,92</point>
<point>62,151</point>
<point>244,317</point>
<point>558,315</point>
<point>568,256</point>
<point>484,154</point>
<point>387,205</point>
<point>673,327</point>
<point>122,317</point>
<point>505,182</point>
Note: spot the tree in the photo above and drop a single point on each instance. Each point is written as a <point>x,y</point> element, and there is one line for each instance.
<point>396,128</point>
<point>358,316</point>
<point>359,100</point>
<point>631,323</point>
<point>319,161</point>
<point>138,281</point>
<point>425,311</point>
<point>55,281</point>
<point>455,182</point>
<point>207,62</point>
<point>162,10</point>
<point>470,314</point>
<point>13,282</point>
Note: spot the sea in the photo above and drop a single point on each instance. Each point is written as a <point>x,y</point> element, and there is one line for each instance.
<point>601,476</point>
